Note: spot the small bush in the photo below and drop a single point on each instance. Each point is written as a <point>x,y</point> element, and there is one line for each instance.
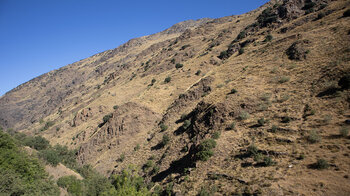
<point>321,164</point>
<point>148,165</point>
<point>261,122</point>
<point>252,150</point>
<point>268,161</point>
<point>183,117</point>
<point>313,137</point>
<point>178,65</point>
<point>241,51</point>
<point>165,140</point>
<point>268,38</point>
<point>274,129</point>
<point>51,156</point>
<point>284,79</point>
<point>244,115</point>
<point>216,135</point>
<point>346,13</point>
<point>205,149</point>
<point>37,142</point>
<point>186,124</point>
<point>163,127</point>
<point>241,35</point>
<point>320,15</point>
<point>198,72</point>
<point>122,157</point>
<point>344,131</point>
<point>231,126</point>
<point>137,147</point>
<point>233,91</point>
<point>172,61</point>
<point>107,117</point>
<point>167,79</point>
<point>286,119</point>
<point>185,46</point>
<point>115,107</point>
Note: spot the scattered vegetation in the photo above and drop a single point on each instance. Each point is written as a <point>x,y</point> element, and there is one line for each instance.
<point>163,127</point>
<point>186,124</point>
<point>268,38</point>
<point>321,164</point>
<point>344,131</point>
<point>267,17</point>
<point>165,140</point>
<point>244,115</point>
<point>178,65</point>
<point>233,91</point>
<point>313,137</point>
<point>204,149</point>
<point>283,79</point>
<point>216,135</point>
<point>20,173</point>
<point>47,125</point>
<point>167,79</point>
<point>137,147</point>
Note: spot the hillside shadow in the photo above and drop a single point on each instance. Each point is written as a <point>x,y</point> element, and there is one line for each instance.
<point>177,166</point>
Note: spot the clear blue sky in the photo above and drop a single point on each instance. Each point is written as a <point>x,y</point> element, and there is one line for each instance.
<point>37,36</point>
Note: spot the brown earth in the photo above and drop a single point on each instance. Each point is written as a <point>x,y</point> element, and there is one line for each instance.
<point>275,94</point>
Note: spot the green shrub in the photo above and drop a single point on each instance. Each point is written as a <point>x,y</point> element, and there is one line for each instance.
<point>198,72</point>
<point>122,157</point>
<point>47,125</point>
<point>107,117</point>
<point>51,156</point>
<point>216,135</point>
<point>244,115</point>
<point>344,131</point>
<point>20,173</point>
<point>268,161</point>
<point>241,35</point>
<point>346,13</point>
<point>241,51</point>
<point>178,65</point>
<point>321,164</point>
<point>137,147</point>
<point>165,140</point>
<point>185,46</point>
<point>268,38</point>
<point>204,150</point>
<point>283,79</point>
<point>183,117</point>
<point>148,165</point>
<point>115,107</point>
<point>73,185</point>
<point>313,137</point>
<point>231,126</point>
<point>252,150</point>
<point>37,142</point>
<point>186,124</point>
<point>261,121</point>
<point>286,119</point>
<point>167,79</point>
<point>163,127</point>
<point>274,129</point>
<point>172,61</point>
<point>233,91</point>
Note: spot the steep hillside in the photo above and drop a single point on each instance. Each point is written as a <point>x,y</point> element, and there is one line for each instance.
<point>251,104</point>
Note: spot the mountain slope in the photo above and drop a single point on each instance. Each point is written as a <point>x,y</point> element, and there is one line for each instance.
<point>249,104</point>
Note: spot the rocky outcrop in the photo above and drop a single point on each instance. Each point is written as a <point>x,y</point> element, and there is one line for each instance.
<point>127,121</point>
<point>194,93</point>
<point>298,51</point>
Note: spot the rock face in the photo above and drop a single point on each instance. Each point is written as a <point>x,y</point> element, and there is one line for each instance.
<point>127,121</point>
<point>297,50</point>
